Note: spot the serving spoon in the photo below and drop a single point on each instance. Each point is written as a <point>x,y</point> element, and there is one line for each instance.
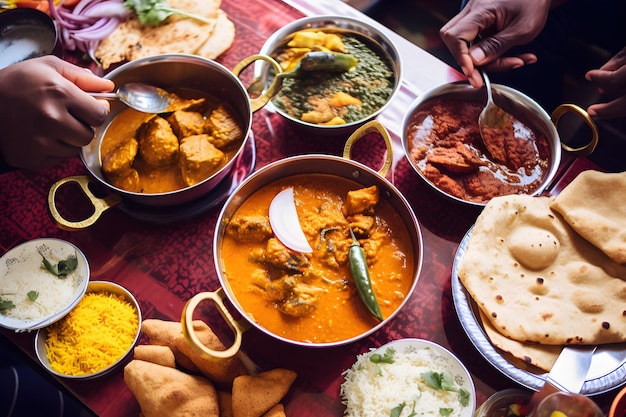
<point>142,97</point>
<point>494,125</point>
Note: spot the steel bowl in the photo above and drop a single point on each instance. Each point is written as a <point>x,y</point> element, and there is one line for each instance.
<point>369,33</point>
<point>25,33</point>
<point>517,104</point>
<point>339,167</point>
<point>93,287</point>
<point>169,72</point>
<point>24,261</point>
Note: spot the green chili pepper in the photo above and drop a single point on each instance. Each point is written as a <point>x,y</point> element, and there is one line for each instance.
<point>361,276</point>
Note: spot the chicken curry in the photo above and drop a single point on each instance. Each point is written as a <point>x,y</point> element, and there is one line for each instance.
<point>311,297</point>
<point>156,153</point>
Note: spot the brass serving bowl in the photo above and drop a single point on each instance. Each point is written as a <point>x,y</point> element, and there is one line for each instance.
<point>515,103</point>
<point>169,72</point>
<point>372,35</point>
<point>339,167</point>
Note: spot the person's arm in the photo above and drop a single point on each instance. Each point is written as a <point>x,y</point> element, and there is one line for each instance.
<point>45,114</point>
<point>610,80</point>
<point>485,29</point>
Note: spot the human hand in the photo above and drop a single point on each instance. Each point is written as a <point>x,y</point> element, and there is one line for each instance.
<point>45,114</point>
<point>501,25</point>
<point>611,81</point>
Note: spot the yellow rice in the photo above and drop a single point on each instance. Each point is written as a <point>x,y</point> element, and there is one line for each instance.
<point>95,334</point>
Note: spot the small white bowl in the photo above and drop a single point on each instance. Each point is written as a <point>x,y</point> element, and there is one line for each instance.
<point>25,261</point>
<point>97,287</point>
<point>441,360</point>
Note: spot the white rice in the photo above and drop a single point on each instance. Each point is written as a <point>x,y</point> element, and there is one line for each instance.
<point>375,389</point>
<point>24,273</point>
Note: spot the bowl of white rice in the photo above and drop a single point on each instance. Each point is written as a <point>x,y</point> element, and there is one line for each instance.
<point>408,377</point>
<point>41,280</point>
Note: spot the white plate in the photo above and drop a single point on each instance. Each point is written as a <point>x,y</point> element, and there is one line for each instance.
<point>26,257</point>
<point>608,365</point>
<point>449,361</point>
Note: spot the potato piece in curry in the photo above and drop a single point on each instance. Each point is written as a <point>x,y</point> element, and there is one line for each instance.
<point>311,297</point>
<point>146,153</point>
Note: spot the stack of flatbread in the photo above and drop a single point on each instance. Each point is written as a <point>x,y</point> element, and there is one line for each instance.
<point>169,378</point>
<point>177,34</point>
<point>551,271</point>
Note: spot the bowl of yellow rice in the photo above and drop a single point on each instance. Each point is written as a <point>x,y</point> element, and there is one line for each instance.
<point>95,337</point>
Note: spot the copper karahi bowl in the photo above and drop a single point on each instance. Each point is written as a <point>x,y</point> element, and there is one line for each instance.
<point>372,35</point>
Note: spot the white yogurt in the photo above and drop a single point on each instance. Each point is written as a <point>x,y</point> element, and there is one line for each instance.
<point>23,42</point>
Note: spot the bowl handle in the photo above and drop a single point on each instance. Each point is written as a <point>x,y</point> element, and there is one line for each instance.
<point>237,327</point>
<point>370,127</point>
<point>257,85</point>
<point>100,205</point>
<point>572,108</point>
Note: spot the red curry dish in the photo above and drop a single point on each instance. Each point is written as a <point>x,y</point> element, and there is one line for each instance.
<point>445,145</point>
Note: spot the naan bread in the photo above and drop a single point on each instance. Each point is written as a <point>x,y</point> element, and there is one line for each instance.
<point>177,34</point>
<point>537,280</point>
<point>534,354</point>
<point>220,40</point>
<point>593,205</point>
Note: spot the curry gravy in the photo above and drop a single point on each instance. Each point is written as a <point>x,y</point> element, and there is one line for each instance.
<point>339,313</point>
<point>166,176</point>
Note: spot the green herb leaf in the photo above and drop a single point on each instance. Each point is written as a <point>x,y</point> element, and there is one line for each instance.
<point>33,295</point>
<point>396,411</point>
<point>445,412</point>
<point>433,379</point>
<point>6,304</point>
<point>61,269</point>
<point>153,12</point>
<point>464,397</point>
<point>387,357</point>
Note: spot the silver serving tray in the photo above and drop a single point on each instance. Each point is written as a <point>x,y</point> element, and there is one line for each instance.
<point>608,366</point>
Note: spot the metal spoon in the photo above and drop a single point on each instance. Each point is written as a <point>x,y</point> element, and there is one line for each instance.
<point>494,125</point>
<point>142,97</point>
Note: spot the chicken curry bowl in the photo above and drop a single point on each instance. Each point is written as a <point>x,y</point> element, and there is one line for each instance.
<point>356,268</point>
<point>158,153</point>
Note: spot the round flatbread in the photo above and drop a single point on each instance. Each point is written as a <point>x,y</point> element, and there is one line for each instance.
<point>593,205</point>
<point>220,40</point>
<point>177,34</point>
<point>538,281</point>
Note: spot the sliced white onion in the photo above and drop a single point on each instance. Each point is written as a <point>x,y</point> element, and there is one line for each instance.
<point>285,223</point>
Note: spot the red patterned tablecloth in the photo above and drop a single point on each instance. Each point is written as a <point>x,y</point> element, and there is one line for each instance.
<point>163,265</point>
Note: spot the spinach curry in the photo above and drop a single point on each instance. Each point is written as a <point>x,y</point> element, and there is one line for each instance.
<point>333,97</point>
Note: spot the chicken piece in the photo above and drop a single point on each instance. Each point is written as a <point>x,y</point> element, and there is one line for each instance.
<point>158,145</point>
<point>126,180</point>
<point>362,225</point>
<point>280,257</point>
<point>251,228</point>
<point>199,159</point>
<point>121,158</point>
<point>361,201</point>
<point>187,123</point>
<point>224,127</point>
<point>292,296</point>
<point>458,159</point>
<point>302,302</point>
<point>179,103</point>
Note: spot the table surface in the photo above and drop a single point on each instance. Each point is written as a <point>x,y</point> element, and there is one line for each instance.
<point>165,259</point>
